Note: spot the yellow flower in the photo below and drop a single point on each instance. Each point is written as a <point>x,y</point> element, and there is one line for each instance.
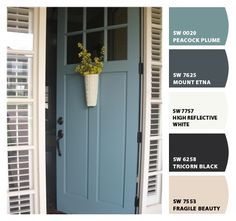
<point>88,65</point>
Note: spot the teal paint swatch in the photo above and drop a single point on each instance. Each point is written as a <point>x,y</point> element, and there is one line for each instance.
<point>198,26</point>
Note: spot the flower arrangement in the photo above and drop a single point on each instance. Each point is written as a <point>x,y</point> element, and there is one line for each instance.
<point>89,65</point>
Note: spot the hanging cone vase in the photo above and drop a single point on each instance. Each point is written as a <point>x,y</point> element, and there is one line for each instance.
<point>91,89</point>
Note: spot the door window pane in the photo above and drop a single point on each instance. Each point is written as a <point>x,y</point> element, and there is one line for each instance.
<point>117,44</point>
<point>95,41</point>
<point>74,19</point>
<point>72,48</point>
<point>117,16</point>
<point>95,17</point>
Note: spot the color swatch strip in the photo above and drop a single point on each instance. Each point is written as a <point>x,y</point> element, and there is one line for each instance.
<point>192,69</point>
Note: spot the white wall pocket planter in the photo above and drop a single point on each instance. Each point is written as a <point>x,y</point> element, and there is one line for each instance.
<point>90,67</point>
<point>91,89</point>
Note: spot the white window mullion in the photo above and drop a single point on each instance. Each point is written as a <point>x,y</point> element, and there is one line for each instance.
<point>20,101</point>
<point>16,51</point>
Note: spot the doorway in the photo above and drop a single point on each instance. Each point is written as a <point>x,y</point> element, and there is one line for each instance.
<point>51,62</point>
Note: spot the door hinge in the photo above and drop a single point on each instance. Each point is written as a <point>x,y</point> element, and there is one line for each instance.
<point>136,203</point>
<point>140,68</point>
<point>139,137</point>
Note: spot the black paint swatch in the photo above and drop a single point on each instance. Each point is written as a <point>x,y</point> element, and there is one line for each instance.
<point>198,68</point>
<point>198,152</point>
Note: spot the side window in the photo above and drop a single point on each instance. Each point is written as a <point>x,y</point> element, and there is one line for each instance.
<point>95,28</point>
<point>20,106</point>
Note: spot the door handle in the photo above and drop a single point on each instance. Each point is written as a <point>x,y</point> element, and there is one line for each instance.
<point>60,135</point>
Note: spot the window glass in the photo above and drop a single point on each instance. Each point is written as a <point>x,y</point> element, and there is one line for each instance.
<point>117,16</point>
<point>117,44</point>
<point>74,19</point>
<point>19,75</point>
<point>116,38</point>
<point>95,41</point>
<point>72,48</point>
<point>95,17</point>
<point>18,124</point>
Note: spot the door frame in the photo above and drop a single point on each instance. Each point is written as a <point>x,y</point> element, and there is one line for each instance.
<point>41,109</point>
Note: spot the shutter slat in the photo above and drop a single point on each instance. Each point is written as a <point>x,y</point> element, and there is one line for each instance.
<point>19,118</point>
<point>18,162</point>
<point>18,20</point>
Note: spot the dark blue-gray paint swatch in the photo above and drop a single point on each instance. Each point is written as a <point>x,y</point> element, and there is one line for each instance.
<point>198,152</point>
<point>198,68</point>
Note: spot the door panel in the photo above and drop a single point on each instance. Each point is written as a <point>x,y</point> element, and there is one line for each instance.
<point>75,136</point>
<point>97,170</point>
<point>112,118</point>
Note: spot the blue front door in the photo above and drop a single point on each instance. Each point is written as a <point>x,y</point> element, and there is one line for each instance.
<point>96,172</point>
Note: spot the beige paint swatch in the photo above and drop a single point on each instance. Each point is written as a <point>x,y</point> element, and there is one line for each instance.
<point>198,194</point>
